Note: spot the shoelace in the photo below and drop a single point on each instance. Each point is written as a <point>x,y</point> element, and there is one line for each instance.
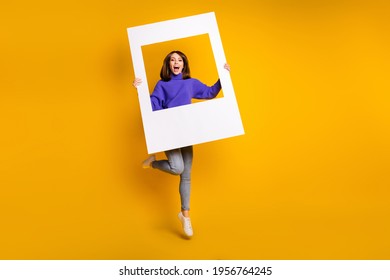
<point>187,223</point>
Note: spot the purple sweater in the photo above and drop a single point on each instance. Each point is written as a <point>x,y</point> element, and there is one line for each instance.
<point>177,92</point>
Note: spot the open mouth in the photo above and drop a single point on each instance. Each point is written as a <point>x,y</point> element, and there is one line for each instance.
<point>176,68</point>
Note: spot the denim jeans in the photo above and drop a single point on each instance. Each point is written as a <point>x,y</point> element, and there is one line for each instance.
<point>179,162</point>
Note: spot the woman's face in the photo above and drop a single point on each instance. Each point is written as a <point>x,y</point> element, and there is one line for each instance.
<point>176,64</point>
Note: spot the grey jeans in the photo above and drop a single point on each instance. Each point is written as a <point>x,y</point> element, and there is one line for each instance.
<point>179,162</point>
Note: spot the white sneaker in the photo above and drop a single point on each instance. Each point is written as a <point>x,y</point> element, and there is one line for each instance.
<point>147,162</point>
<point>186,223</point>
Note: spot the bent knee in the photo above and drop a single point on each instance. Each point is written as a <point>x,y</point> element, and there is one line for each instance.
<point>177,170</point>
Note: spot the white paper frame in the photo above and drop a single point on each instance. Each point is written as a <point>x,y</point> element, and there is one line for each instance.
<point>189,124</point>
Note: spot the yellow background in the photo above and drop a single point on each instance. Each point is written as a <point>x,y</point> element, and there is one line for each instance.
<point>309,180</point>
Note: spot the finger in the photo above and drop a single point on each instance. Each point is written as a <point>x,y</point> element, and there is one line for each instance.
<point>137,82</point>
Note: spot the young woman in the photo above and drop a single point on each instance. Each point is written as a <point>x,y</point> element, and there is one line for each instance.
<point>177,88</point>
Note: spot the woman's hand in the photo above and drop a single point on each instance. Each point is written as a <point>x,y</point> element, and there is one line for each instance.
<point>137,82</point>
<point>227,67</point>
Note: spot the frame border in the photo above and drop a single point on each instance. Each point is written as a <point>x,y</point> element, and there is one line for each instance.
<point>189,124</point>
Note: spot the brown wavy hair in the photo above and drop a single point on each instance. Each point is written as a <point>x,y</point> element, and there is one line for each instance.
<point>165,73</point>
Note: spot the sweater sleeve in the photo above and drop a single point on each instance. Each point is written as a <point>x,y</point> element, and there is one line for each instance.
<point>157,98</point>
<point>202,91</point>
